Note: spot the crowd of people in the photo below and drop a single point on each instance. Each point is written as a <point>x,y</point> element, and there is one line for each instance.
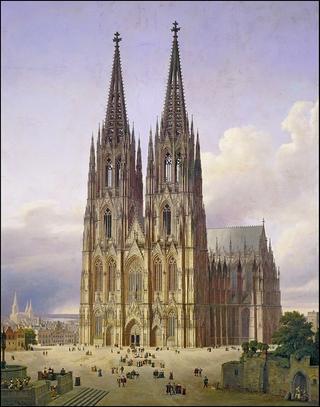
<point>15,384</point>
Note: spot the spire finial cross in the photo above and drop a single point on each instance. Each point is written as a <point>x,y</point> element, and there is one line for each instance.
<point>175,29</point>
<point>117,38</point>
<point>263,221</point>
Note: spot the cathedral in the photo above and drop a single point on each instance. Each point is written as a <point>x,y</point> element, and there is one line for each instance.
<point>152,273</point>
<point>26,318</point>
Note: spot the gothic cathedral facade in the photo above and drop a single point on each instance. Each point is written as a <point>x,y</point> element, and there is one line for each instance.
<point>149,276</point>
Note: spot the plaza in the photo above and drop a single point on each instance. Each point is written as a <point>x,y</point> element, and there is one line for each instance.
<point>144,390</point>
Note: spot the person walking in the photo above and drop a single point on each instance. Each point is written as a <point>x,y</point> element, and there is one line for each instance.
<point>205,382</point>
<point>168,388</point>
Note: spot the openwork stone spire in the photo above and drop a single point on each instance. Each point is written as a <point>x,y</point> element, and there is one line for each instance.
<point>116,126</point>
<point>174,114</point>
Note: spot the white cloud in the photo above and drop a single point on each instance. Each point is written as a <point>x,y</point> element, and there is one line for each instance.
<point>251,178</point>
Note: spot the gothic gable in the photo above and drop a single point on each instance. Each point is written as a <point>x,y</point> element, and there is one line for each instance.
<point>157,250</point>
<point>134,251</point>
<point>172,251</point>
<point>111,250</point>
<point>135,233</point>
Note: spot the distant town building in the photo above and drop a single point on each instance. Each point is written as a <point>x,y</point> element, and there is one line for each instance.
<point>26,318</point>
<point>313,317</point>
<point>15,339</point>
<point>60,334</point>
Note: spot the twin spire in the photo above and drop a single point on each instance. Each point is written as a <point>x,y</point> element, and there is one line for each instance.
<point>116,123</point>
<point>174,122</point>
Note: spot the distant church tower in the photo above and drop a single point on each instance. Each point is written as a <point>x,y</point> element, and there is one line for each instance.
<point>14,309</point>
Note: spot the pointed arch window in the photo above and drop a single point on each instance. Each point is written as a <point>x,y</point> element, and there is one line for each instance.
<point>135,282</point>
<point>108,223</point>
<point>234,280</point>
<point>178,167</point>
<point>98,276</point>
<point>118,171</point>
<point>98,326</point>
<point>167,220</point>
<point>171,325</point>
<point>157,270</point>
<point>168,168</point>
<point>109,174</point>
<point>112,275</point>
<point>172,274</point>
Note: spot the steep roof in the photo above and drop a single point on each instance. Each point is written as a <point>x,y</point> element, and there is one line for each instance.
<point>116,115</point>
<point>239,236</point>
<point>174,112</point>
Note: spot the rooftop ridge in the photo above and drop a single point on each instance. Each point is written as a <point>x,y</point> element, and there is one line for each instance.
<point>235,227</point>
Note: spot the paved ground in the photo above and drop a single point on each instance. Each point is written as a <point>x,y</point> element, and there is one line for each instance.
<point>146,390</point>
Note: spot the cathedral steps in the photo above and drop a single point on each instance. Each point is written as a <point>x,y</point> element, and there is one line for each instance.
<point>85,397</point>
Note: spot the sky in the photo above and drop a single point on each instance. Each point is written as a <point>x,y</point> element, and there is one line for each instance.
<point>251,83</point>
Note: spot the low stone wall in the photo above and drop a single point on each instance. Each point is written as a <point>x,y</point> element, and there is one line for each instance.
<point>65,383</point>
<point>36,394</point>
<point>13,372</point>
<point>258,374</point>
<point>252,379</point>
<point>232,375</point>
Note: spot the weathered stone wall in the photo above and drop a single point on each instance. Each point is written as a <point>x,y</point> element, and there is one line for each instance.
<point>252,371</point>
<point>277,378</point>
<point>13,372</point>
<point>38,394</point>
<point>65,383</point>
<point>272,377</point>
<point>232,373</point>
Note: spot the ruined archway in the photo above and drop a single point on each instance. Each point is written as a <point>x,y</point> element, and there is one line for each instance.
<point>300,386</point>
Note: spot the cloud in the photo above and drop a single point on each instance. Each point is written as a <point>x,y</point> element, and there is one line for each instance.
<point>41,256</point>
<point>251,178</point>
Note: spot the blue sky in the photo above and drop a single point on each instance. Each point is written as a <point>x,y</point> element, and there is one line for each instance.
<point>247,66</point>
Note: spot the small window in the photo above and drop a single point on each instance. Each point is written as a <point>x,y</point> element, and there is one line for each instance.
<point>178,167</point>
<point>236,372</point>
<point>167,220</point>
<point>172,275</point>
<point>109,173</point>
<point>118,170</point>
<point>108,223</point>
<point>167,167</point>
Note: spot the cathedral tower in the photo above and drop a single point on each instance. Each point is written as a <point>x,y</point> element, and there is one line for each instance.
<point>147,279</point>
<point>175,220</point>
<point>114,199</point>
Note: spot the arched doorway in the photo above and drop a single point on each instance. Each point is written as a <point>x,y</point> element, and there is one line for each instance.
<point>133,333</point>
<point>299,386</point>
<point>245,317</point>
<point>155,336</point>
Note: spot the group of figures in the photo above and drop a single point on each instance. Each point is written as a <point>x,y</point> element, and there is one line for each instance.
<point>15,384</point>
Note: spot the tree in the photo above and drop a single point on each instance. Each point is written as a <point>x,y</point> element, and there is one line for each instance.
<point>30,337</point>
<point>245,347</point>
<point>253,345</point>
<point>294,336</point>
